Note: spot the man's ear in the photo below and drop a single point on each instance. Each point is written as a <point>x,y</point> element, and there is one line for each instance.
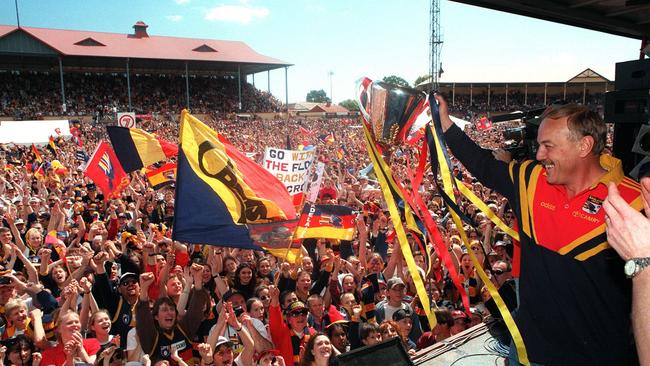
<point>586,146</point>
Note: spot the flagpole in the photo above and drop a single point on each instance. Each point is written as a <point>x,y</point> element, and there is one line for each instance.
<point>17,16</point>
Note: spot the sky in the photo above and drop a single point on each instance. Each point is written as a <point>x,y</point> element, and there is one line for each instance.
<point>333,43</point>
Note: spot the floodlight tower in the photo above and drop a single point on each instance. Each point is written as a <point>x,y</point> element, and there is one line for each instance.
<point>435,45</point>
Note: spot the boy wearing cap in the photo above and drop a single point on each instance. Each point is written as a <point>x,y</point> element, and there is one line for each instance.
<point>288,336</point>
<point>394,302</point>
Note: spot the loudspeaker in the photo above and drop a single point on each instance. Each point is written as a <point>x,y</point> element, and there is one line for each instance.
<point>624,138</point>
<point>387,353</point>
<point>632,75</point>
<point>627,106</point>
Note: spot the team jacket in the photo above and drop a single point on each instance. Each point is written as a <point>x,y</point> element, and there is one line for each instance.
<point>575,300</point>
<point>122,313</point>
<point>157,342</point>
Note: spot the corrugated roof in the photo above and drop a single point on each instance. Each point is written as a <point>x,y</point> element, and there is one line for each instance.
<point>153,47</point>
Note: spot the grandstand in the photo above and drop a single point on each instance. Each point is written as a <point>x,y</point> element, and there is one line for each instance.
<point>587,87</point>
<point>68,64</point>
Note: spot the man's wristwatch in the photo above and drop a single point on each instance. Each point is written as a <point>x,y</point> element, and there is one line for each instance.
<point>634,266</point>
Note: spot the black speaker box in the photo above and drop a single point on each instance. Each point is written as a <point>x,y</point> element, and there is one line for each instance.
<point>627,106</point>
<point>632,75</point>
<point>624,137</point>
<point>387,353</point>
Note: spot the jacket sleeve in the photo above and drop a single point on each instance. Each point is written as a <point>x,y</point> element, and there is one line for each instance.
<point>280,334</point>
<point>195,310</point>
<point>286,283</point>
<point>416,330</point>
<point>480,162</point>
<point>104,293</point>
<point>145,326</point>
<point>322,281</point>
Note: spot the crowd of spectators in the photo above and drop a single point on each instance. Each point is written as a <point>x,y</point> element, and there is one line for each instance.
<point>32,95</point>
<point>94,281</point>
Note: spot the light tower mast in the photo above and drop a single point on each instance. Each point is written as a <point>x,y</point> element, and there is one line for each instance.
<point>435,44</point>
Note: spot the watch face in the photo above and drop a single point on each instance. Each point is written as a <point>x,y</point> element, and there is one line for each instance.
<point>630,267</point>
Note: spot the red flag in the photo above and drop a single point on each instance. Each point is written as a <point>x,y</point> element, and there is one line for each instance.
<point>306,132</point>
<point>74,131</point>
<point>37,155</point>
<point>483,124</point>
<point>105,170</point>
<point>170,149</point>
<point>257,178</point>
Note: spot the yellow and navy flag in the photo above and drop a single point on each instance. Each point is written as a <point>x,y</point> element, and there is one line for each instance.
<point>326,221</point>
<point>219,192</point>
<point>136,148</point>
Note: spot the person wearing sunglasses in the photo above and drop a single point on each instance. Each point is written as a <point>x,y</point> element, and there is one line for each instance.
<point>291,333</point>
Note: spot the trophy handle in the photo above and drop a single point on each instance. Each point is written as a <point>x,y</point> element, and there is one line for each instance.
<point>363,86</point>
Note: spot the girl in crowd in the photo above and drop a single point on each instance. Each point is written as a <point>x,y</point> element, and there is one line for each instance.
<point>319,351</point>
<point>19,351</point>
<point>245,280</point>
<point>262,293</point>
<point>255,309</point>
<point>70,346</point>
<point>264,271</point>
<point>100,325</point>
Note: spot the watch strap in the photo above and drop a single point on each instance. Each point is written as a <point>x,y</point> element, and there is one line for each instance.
<point>641,264</point>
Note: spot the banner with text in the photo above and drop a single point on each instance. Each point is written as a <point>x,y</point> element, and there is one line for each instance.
<point>315,180</point>
<point>291,167</point>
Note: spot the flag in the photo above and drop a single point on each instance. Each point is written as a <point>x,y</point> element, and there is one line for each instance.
<point>329,139</point>
<point>81,155</point>
<point>305,132</point>
<point>76,135</point>
<point>340,153</point>
<point>58,167</point>
<point>136,148</point>
<point>277,239</point>
<point>105,170</point>
<point>39,172</point>
<point>326,221</point>
<point>51,145</point>
<point>37,155</point>
<point>163,176</point>
<point>219,192</point>
<point>483,124</point>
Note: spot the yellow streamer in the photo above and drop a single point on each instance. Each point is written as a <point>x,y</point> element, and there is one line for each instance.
<point>447,183</point>
<point>381,168</point>
<point>486,210</point>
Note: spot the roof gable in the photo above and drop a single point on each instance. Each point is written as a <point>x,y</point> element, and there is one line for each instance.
<point>89,42</point>
<point>19,41</point>
<point>588,76</point>
<point>204,48</point>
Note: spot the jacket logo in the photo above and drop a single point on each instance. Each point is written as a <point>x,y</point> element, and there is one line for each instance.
<point>592,205</point>
<point>550,206</point>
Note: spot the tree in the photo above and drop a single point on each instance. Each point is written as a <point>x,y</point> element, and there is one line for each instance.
<point>350,105</point>
<point>421,79</point>
<point>396,80</point>
<point>317,96</point>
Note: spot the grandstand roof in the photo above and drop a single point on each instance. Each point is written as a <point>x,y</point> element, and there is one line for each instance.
<point>627,18</point>
<point>137,46</point>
